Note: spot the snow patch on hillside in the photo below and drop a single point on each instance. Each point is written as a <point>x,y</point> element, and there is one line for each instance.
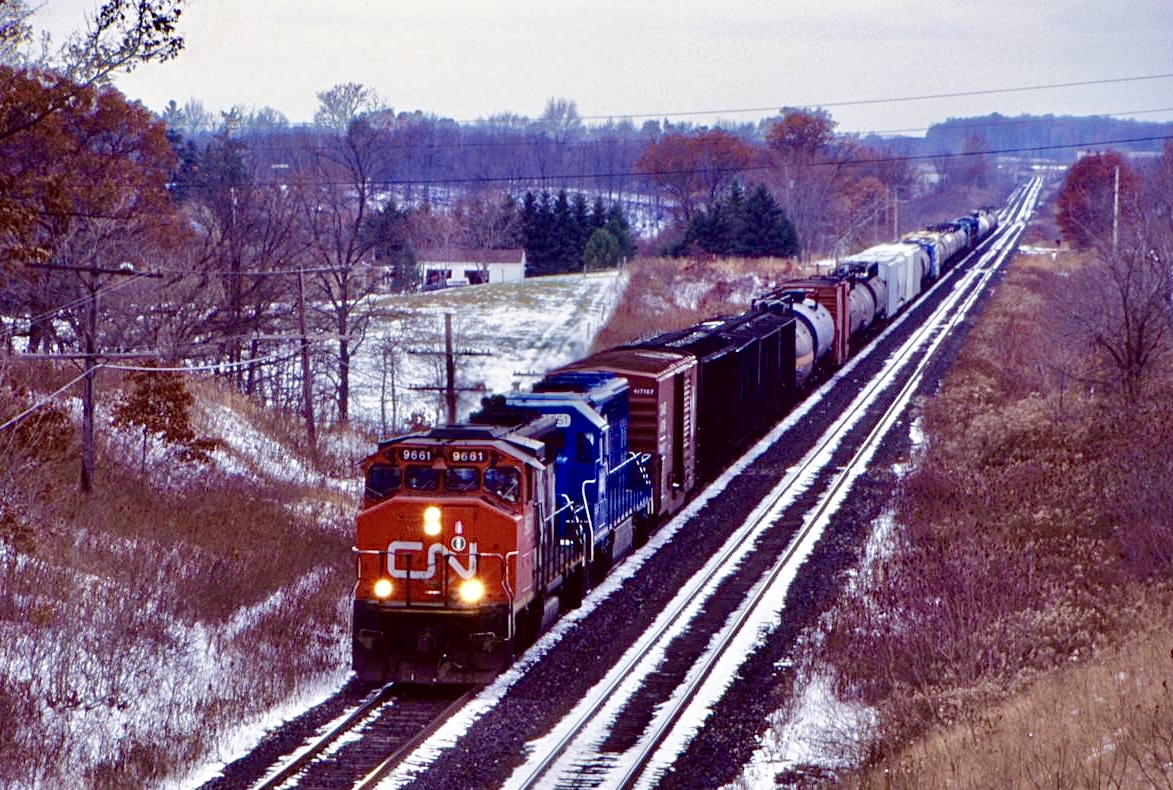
<point>503,335</point>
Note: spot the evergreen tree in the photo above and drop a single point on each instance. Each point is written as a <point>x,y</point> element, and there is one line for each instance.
<point>617,225</point>
<point>751,226</point>
<point>602,251</point>
<point>566,252</point>
<point>765,229</point>
<point>387,234</point>
<point>536,218</point>
<point>581,219</point>
<point>599,214</point>
<point>556,231</point>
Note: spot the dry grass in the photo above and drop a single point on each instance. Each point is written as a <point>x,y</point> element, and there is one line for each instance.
<point>1103,723</point>
<point>1032,532</point>
<point>142,622</point>
<point>664,294</point>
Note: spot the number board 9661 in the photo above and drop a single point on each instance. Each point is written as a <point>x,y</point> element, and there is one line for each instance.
<point>468,456</point>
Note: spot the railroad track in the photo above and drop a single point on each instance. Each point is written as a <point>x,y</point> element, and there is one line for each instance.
<point>630,727</point>
<point>361,747</point>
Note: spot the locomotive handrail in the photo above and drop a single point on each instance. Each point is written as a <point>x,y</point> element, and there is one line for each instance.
<point>589,520</point>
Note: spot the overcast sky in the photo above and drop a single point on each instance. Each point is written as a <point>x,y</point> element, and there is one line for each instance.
<point>704,59</point>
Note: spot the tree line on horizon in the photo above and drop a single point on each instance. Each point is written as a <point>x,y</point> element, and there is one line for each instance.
<point>258,233</point>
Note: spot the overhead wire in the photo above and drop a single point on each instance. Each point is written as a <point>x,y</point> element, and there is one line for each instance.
<point>211,367</point>
<point>8,332</point>
<point>894,99</point>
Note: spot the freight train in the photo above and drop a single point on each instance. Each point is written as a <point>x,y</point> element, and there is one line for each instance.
<point>473,538</point>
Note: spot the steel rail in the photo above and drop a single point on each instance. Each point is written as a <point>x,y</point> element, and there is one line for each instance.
<point>307,755</point>
<point>379,772</point>
<point>674,710</point>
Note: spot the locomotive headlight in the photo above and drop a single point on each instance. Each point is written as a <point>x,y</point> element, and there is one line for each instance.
<point>383,588</point>
<point>431,521</point>
<point>472,590</point>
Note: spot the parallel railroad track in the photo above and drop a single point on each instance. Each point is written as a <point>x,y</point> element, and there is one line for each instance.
<point>627,731</point>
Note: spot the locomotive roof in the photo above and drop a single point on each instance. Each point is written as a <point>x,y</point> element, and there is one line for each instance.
<point>528,438</point>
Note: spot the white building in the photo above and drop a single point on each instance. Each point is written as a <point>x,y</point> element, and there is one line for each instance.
<point>443,267</point>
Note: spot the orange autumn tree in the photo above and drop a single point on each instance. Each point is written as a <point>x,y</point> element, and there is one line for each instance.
<point>695,169</point>
<point>1099,192</point>
<point>87,186</point>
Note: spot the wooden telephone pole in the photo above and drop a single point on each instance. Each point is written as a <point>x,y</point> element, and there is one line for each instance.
<point>90,354</point>
<point>450,389</point>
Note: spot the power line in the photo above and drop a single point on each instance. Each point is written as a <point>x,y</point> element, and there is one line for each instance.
<point>209,368</point>
<point>530,142</point>
<point>387,183</point>
<point>45,402</point>
<point>565,177</point>
<point>115,285</point>
<point>893,99</point>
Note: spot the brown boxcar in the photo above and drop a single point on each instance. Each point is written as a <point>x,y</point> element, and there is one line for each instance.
<point>741,366</point>
<point>662,418</point>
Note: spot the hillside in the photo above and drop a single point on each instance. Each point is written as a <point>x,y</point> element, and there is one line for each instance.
<point>501,334</point>
<point>165,621</point>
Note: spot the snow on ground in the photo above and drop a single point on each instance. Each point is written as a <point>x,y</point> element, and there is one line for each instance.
<point>503,334</point>
<point>448,734</point>
<point>813,734</point>
<point>802,734</point>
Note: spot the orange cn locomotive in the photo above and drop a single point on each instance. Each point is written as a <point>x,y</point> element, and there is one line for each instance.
<point>447,551</point>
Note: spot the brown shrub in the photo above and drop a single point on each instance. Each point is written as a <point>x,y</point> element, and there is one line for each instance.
<point>1034,503</point>
<point>108,602</point>
<point>664,294</point>
<point>1106,722</point>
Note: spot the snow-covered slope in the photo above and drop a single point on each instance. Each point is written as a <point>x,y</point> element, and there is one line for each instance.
<point>502,333</point>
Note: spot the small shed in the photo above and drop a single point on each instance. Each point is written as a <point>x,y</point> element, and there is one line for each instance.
<point>450,266</point>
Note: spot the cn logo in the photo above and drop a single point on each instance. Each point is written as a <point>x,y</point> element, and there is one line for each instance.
<point>435,550</point>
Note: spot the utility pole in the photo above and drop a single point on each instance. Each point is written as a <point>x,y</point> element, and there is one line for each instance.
<point>449,369</point>
<point>302,337</point>
<point>307,390</point>
<point>1116,211</point>
<point>450,389</point>
<point>90,355</point>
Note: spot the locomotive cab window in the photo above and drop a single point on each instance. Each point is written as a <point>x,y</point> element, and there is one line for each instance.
<point>382,480</point>
<point>422,478</point>
<point>586,447</point>
<point>503,482</point>
<point>462,478</point>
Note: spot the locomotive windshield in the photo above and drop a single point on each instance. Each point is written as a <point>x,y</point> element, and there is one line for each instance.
<point>462,478</point>
<point>503,482</point>
<point>382,480</point>
<point>422,478</point>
